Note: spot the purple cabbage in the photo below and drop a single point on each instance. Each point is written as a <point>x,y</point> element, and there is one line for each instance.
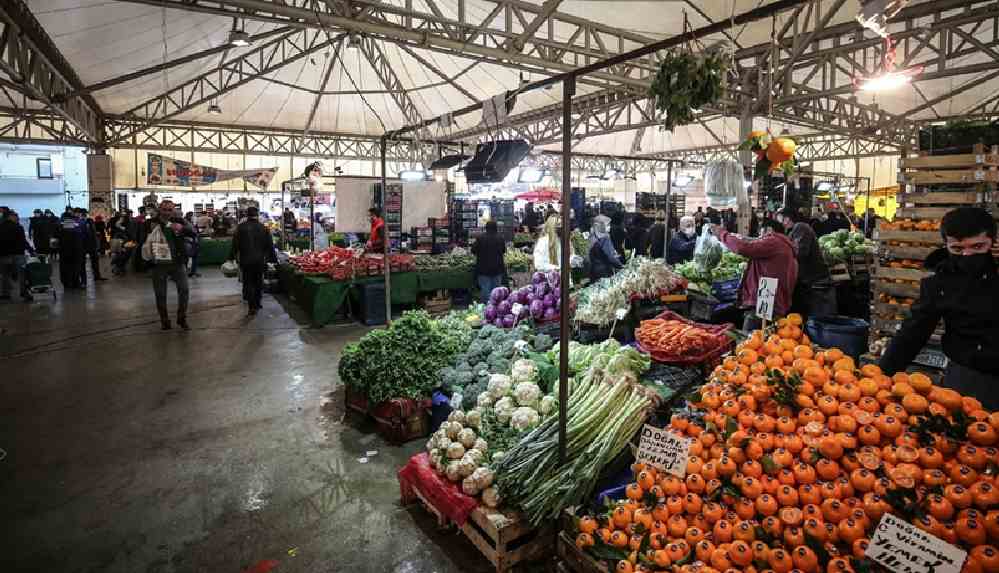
<point>490,313</point>
<point>554,279</point>
<point>549,300</point>
<point>550,314</point>
<point>537,308</point>
<point>503,308</point>
<point>540,290</point>
<point>499,294</point>
<point>508,321</point>
<point>538,277</point>
<point>520,295</point>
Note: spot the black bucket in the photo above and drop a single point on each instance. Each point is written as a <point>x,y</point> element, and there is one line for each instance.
<point>847,334</point>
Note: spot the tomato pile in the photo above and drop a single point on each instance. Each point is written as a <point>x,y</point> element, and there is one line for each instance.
<point>343,264</point>
<point>795,455</point>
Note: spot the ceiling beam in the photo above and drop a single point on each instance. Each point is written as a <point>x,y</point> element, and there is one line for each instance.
<point>31,60</point>
<point>373,52</point>
<point>322,86</point>
<point>451,80</point>
<point>238,71</point>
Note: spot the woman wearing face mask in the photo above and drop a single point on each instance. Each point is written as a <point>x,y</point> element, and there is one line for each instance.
<point>681,246</point>
<point>964,292</point>
<point>604,260</point>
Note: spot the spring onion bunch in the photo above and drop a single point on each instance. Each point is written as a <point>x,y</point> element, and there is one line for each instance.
<point>606,407</point>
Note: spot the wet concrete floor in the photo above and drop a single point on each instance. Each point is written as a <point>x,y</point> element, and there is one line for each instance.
<point>127,449</point>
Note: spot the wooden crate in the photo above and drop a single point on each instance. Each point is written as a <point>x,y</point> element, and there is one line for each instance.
<point>929,198</point>
<point>437,304</point>
<point>902,290</point>
<point>919,237</point>
<point>937,177</point>
<point>574,559</point>
<point>914,275</point>
<point>982,156</point>
<point>505,538</point>
<point>442,520</point>
<point>911,253</point>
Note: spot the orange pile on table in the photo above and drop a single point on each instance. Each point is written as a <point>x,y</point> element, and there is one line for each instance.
<point>798,455</point>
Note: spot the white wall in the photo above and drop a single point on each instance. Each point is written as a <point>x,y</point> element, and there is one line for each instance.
<point>23,191</point>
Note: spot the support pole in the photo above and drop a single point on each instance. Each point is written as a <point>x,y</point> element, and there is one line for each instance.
<point>312,219</point>
<point>383,144</point>
<point>568,89</point>
<point>669,208</point>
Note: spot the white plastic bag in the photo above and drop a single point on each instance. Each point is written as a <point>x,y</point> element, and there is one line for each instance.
<point>708,250</point>
<point>230,269</point>
<point>156,249</point>
<point>723,181</point>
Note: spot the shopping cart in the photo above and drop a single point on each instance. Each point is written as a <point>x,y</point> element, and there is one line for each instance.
<point>38,276</point>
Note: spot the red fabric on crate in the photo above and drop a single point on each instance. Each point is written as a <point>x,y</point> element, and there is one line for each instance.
<point>720,331</point>
<point>445,496</point>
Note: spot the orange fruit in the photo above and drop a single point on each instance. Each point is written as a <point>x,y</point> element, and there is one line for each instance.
<point>588,525</point>
<point>982,434</point>
<point>916,404</point>
<point>624,566</point>
<point>584,540</point>
<point>781,561</point>
<point>804,559</point>
<point>619,539</point>
<point>920,382</point>
<point>740,553</point>
<point>987,556</point>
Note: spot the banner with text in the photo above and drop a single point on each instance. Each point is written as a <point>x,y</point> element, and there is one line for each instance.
<point>168,171</point>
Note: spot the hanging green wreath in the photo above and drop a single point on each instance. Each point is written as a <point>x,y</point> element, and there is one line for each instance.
<point>686,82</point>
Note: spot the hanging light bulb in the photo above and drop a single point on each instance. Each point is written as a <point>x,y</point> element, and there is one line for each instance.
<point>215,108</point>
<point>889,78</point>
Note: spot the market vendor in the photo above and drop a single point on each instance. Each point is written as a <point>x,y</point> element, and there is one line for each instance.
<point>604,260</point>
<point>964,292</point>
<point>772,256</point>
<point>376,236</point>
<point>814,295</point>
<point>681,246</point>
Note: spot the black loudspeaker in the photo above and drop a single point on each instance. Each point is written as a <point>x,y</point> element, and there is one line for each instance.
<point>494,160</point>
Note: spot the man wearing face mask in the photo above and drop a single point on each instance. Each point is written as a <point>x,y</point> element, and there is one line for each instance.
<point>681,246</point>
<point>964,292</point>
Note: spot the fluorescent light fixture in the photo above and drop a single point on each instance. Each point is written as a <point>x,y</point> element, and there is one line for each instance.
<point>530,175</point>
<point>824,186</point>
<point>239,38</point>
<point>413,175</point>
<point>886,81</point>
<point>214,108</point>
<point>611,174</point>
<point>353,41</point>
<point>593,178</point>
<point>682,180</point>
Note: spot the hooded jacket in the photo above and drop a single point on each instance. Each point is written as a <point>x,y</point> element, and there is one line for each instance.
<point>771,256</point>
<point>969,307</point>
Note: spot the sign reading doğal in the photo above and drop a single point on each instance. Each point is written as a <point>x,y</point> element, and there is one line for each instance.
<point>904,548</point>
<point>664,450</point>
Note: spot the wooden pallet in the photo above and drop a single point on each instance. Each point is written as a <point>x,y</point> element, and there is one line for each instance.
<point>903,290</point>
<point>981,156</point>
<point>937,177</point>
<point>574,559</point>
<point>928,198</point>
<point>902,274</point>
<point>910,253</point>
<point>920,237</point>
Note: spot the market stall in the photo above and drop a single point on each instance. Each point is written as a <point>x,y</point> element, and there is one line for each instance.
<point>214,251</point>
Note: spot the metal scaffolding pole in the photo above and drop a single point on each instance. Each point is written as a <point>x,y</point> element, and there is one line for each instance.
<point>383,144</point>
<point>568,90</point>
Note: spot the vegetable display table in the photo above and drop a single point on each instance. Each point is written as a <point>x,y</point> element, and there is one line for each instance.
<point>322,297</point>
<point>213,251</point>
<point>453,279</point>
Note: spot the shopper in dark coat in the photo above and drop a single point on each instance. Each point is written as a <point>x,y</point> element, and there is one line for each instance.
<point>638,236</point>
<point>91,245</point>
<point>174,230</point>
<point>617,232</point>
<point>490,269</point>
<point>40,230</point>
<point>71,253</point>
<point>814,294</point>
<point>13,245</point>
<point>604,259</point>
<point>964,293</point>
<point>681,246</point>
<point>252,248</point>
<point>657,238</point>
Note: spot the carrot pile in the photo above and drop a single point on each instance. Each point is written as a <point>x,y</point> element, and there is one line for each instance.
<point>795,455</point>
<point>675,337</point>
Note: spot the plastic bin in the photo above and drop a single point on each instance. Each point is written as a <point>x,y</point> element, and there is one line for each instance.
<point>847,334</point>
<point>372,307</point>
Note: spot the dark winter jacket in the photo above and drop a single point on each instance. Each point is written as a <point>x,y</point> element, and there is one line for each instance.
<point>70,239</point>
<point>681,249</point>
<point>252,244</point>
<point>178,248</point>
<point>812,269</point>
<point>657,240</point>
<point>604,260</point>
<point>969,307</point>
<point>489,250</point>
<point>13,242</point>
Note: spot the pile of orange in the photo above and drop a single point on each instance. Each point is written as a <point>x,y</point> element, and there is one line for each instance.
<point>784,481</point>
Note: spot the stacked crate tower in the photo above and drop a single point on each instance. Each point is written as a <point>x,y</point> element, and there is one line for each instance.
<point>931,185</point>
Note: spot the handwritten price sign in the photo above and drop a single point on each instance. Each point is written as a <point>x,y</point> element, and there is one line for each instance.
<point>664,450</point>
<point>903,548</point>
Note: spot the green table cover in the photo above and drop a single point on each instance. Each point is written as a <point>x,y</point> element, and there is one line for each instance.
<point>213,251</point>
<point>436,280</point>
<point>322,297</point>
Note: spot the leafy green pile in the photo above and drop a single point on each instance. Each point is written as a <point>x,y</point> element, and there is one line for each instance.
<point>686,82</point>
<point>446,262</point>
<point>517,261</point>
<point>580,244</point>
<point>490,352</point>
<point>729,266</point>
<point>841,244</point>
<point>400,361</point>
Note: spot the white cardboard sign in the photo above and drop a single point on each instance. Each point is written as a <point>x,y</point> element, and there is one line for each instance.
<point>904,548</point>
<point>765,293</point>
<point>663,450</point>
